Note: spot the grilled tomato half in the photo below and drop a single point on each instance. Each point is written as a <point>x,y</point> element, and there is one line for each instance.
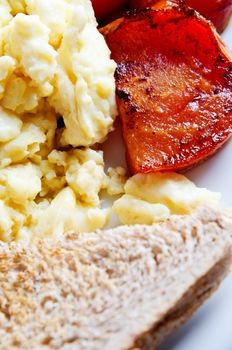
<point>173,85</point>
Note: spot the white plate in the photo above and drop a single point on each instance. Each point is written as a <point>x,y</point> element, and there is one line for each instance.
<point>211,327</point>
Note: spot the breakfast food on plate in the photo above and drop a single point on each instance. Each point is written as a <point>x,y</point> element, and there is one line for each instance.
<point>173,87</point>
<point>218,11</point>
<point>118,288</point>
<point>125,288</point>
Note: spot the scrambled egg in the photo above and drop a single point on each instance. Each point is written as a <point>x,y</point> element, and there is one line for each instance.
<point>52,49</point>
<point>57,100</point>
<point>53,63</point>
<point>153,197</point>
<point>60,194</point>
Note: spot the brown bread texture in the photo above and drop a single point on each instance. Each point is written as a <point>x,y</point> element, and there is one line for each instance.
<point>125,288</point>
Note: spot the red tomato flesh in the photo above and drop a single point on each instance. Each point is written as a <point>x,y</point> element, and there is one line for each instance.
<point>104,8</point>
<point>174,88</point>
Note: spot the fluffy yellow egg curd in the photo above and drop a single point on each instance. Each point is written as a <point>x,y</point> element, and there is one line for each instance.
<point>57,102</point>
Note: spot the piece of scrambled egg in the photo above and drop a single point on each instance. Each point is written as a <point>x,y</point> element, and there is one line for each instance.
<point>153,197</point>
<point>54,63</point>
<point>52,50</point>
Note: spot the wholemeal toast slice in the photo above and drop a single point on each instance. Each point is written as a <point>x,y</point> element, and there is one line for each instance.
<point>125,288</point>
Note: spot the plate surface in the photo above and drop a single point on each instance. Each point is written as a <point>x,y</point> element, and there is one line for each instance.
<point>211,327</point>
